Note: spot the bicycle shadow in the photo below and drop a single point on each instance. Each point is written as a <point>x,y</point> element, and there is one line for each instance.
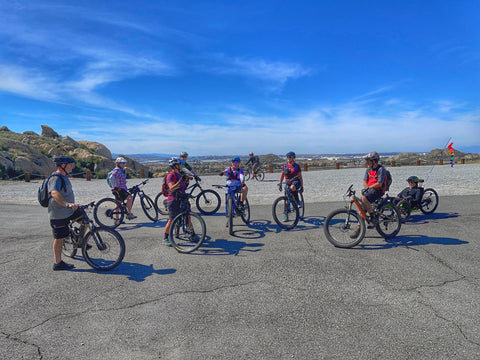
<point>134,271</point>
<point>408,241</point>
<point>426,218</point>
<point>132,226</point>
<point>226,247</point>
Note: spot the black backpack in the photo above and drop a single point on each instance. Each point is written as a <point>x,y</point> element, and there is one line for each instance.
<point>44,194</point>
<point>388,180</point>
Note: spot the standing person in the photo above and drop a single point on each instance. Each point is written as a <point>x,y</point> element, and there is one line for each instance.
<point>61,207</point>
<point>118,179</point>
<point>176,183</point>
<point>291,170</point>
<point>236,177</point>
<point>255,161</point>
<point>373,182</point>
<point>186,168</point>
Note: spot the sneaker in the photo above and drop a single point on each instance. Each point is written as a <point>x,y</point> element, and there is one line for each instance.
<point>167,242</point>
<point>131,216</point>
<point>285,218</point>
<point>299,204</point>
<point>355,233</point>
<point>62,266</point>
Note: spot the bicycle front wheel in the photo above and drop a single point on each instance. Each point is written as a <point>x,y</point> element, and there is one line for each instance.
<point>230,215</point>
<point>109,213</point>
<point>429,201</point>
<point>187,232</point>
<point>344,228</point>
<point>103,249</point>
<point>149,208</point>
<point>246,212</point>
<point>388,221</point>
<point>285,215</point>
<point>161,203</point>
<point>301,206</point>
<point>260,175</point>
<point>208,202</point>
<point>247,174</point>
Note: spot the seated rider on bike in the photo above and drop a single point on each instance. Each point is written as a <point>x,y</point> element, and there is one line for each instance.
<point>373,182</point>
<point>291,170</point>
<point>412,193</point>
<point>255,161</point>
<point>235,176</point>
<point>176,183</point>
<point>186,168</point>
<point>118,180</point>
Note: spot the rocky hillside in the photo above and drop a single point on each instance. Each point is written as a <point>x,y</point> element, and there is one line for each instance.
<point>33,153</point>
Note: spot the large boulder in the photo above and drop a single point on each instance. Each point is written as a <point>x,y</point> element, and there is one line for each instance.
<point>97,147</point>
<point>47,131</point>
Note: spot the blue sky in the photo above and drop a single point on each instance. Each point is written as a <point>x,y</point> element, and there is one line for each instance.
<point>229,77</point>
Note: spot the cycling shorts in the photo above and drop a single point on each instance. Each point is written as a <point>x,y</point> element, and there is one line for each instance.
<point>60,226</point>
<point>121,194</point>
<point>173,209</point>
<point>372,195</point>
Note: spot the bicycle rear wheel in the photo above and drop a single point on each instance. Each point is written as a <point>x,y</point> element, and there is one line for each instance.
<point>103,249</point>
<point>149,208</point>
<point>301,206</point>
<point>161,203</point>
<point>230,215</point>
<point>429,201</point>
<point>187,232</point>
<point>344,228</point>
<point>283,212</point>
<point>208,202</point>
<point>260,175</point>
<point>388,221</point>
<point>245,214</point>
<point>69,247</point>
<point>109,213</point>
<point>247,174</point>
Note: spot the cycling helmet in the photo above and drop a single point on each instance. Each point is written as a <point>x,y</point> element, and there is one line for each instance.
<point>120,160</point>
<point>236,158</point>
<point>290,154</point>
<point>173,161</point>
<point>183,153</point>
<point>251,154</point>
<point>372,156</point>
<point>63,159</point>
<point>413,179</point>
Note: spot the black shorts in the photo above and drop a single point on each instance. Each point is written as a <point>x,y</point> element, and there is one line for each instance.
<point>372,195</point>
<point>173,209</point>
<point>60,226</point>
<point>120,194</point>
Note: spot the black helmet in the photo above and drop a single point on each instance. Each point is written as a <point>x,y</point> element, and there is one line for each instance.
<point>236,158</point>
<point>413,179</point>
<point>173,161</point>
<point>183,154</point>
<point>290,154</point>
<point>372,156</point>
<point>63,159</point>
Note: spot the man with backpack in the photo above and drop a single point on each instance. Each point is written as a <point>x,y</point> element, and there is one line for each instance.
<point>374,181</point>
<point>118,182</point>
<point>61,207</point>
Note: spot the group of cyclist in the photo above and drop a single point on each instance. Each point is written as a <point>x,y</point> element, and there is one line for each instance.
<point>62,208</point>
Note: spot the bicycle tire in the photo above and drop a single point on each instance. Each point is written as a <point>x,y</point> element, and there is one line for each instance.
<point>161,204</point>
<point>245,214</point>
<point>149,207</point>
<point>340,225</point>
<point>69,246</point>
<point>404,209</point>
<point>230,215</point>
<point>259,176</point>
<point>280,209</point>
<point>107,211</point>
<point>388,221</point>
<point>301,209</point>
<point>247,174</point>
<point>208,202</point>
<point>103,249</point>
<point>180,233</point>
<point>429,201</point>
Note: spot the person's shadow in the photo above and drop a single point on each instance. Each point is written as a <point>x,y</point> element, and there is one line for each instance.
<point>409,241</point>
<point>230,247</point>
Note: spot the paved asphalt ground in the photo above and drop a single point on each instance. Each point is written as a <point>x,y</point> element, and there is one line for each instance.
<point>259,294</point>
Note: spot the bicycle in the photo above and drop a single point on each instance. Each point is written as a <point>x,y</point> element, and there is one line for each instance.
<point>233,205</point>
<point>188,230</point>
<point>102,248</point>
<point>207,201</point>
<point>428,203</point>
<point>111,212</point>
<point>341,225</point>
<point>288,204</point>
<point>258,174</point>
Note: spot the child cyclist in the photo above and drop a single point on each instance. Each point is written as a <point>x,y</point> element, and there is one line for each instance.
<point>291,170</point>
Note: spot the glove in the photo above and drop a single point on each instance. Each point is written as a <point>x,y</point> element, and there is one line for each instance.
<point>221,173</point>
<point>198,178</point>
<point>279,187</point>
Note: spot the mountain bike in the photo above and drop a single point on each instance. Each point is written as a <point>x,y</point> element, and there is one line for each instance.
<point>346,227</point>
<point>233,206</point>
<point>207,201</point>
<point>188,230</point>
<point>428,203</point>
<point>102,248</point>
<point>258,174</point>
<point>287,205</point>
<point>111,212</point>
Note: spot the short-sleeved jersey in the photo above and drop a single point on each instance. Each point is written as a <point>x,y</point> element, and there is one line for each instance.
<point>374,175</point>
<point>119,178</point>
<point>57,211</point>
<point>173,177</point>
<point>290,171</point>
<point>233,176</point>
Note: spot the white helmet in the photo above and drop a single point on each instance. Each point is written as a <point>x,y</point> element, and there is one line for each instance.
<point>120,160</point>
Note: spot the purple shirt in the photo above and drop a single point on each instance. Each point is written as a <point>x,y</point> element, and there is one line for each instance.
<point>119,179</point>
<point>173,177</point>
